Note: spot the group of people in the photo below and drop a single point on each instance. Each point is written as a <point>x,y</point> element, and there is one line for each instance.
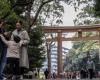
<point>13,51</point>
<point>89,71</point>
<point>84,73</point>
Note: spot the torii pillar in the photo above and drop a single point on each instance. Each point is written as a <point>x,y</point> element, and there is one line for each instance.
<point>49,59</point>
<point>99,45</point>
<point>59,54</point>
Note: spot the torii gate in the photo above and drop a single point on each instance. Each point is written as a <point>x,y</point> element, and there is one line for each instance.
<point>62,29</point>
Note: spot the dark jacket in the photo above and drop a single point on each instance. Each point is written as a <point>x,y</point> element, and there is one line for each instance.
<point>2,30</point>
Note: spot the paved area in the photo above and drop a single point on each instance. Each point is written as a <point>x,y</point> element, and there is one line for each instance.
<point>63,79</point>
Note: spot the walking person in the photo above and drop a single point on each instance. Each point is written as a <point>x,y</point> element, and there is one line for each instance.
<point>3,51</point>
<point>19,31</point>
<point>54,75</point>
<point>13,56</point>
<point>46,73</point>
<point>90,68</point>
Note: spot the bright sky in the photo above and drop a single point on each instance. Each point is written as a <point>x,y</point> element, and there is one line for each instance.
<point>68,18</point>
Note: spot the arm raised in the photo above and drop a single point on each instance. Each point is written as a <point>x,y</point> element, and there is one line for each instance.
<point>4,40</point>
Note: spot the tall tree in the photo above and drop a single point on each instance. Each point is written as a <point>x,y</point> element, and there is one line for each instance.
<point>97,8</point>
<point>33,13</point>
<point>36,48</point>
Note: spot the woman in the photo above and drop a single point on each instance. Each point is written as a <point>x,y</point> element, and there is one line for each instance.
<point>19,31</point>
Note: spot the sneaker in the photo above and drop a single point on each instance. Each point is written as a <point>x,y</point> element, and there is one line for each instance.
<point>4,78</point>
<point>21,77</point>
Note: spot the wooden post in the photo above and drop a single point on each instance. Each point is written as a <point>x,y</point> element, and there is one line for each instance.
<point>80,33</point>
<point>99,47</point>
<point>59,54</point>
<point>49,59</point>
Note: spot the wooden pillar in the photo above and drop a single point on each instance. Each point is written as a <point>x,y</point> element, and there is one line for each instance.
<point>49,59</point>
<point>80,33</point>
<point>99,47</point>
<point>59,54</point>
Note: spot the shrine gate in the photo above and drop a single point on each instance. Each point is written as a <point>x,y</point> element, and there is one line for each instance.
<point>64,29</point>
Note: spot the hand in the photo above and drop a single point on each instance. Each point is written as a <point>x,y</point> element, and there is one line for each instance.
<point>0,35</point>
<point>21,43</point>
<point>5,33</point>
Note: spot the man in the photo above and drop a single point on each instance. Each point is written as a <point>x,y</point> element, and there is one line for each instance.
<point>46,73</point>
<point>3,51</point>
<point>90,68</point>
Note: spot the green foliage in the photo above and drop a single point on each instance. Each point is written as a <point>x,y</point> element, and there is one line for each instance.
<point>97,8</point>
<point>89,14</point>
<point>4,7</point>
<point>82,50</point>
<point>36,48</point>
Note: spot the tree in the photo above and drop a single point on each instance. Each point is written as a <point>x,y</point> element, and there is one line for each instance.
<point>97,8</point>
<point>33,13</point>
<point>88,15</point>
<point>36,50</point>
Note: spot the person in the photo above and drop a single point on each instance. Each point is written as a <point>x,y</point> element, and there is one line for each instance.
<point>46,73</point>
<point>13,55</point>
<point>54,75</point>
<point>3,50</point>
<point>90,68</point>
<point>19,31</point>
<point>83,73</point>
<point>78,75</point>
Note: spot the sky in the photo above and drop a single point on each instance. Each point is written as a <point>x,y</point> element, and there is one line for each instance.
<point>68,17</point>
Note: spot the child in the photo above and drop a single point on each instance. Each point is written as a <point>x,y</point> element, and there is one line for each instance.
<point>13,55</point>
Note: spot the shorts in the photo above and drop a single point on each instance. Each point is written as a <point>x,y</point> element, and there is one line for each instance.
<point>12,66</point>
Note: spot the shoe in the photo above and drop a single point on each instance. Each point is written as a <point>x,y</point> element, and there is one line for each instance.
<point>9,77</point>
<point>4,78</point>
<point>21,77</point>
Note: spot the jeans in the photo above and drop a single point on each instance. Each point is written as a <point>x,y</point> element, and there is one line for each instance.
<point>3,51</point>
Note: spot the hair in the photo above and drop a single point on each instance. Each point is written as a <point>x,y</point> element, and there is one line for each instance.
<point>1,20</point>
<point>8,35</point>
<point>19,21</point>
<point>17,39</point>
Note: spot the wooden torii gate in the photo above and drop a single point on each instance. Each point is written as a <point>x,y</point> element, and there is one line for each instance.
<point>63,29</point>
